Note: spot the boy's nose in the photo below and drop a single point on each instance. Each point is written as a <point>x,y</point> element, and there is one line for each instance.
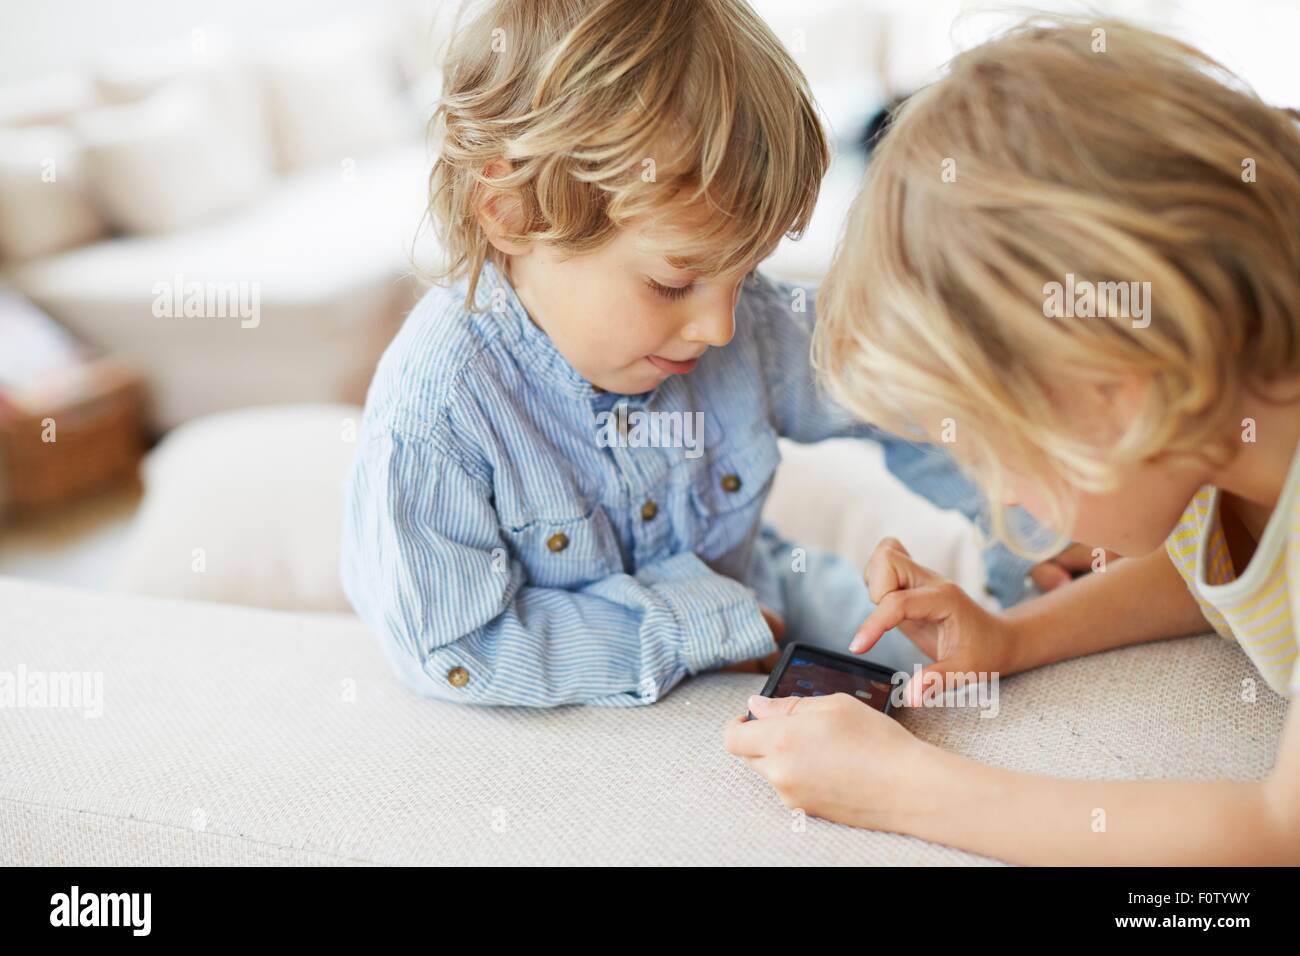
<point>714,328</point>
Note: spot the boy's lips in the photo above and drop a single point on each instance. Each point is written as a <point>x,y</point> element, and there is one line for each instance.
<point>673,367</point>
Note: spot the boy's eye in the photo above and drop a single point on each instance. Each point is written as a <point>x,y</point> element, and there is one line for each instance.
<point>668,291</point>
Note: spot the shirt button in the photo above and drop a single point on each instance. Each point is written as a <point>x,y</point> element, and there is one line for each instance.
<point>458,677</point>
<point>730,483</point>
<point>558,542</point>
<point>649,510</point>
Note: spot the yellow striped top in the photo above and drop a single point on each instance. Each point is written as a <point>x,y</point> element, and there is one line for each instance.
<point>1259,607</point>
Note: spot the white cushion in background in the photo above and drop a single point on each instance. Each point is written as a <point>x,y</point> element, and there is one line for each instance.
<point>45,206</point>
<point>315,236</point>
<point>41,100</point>
<point>209,61</point>
<point>328,247</point>
<point>334,94</point>
<point>254,496</point>
<point>236,736</point>
<point>166,162</point>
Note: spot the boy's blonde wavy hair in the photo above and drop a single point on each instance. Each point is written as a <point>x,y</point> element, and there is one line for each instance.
<point>1128,165</point>
<point>610,110</point>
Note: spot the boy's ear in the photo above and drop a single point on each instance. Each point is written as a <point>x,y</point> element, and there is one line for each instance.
<point>500,213</point>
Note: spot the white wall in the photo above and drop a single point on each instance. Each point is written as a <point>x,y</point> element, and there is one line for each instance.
<point>46,36</point>
<point>1254,37</point>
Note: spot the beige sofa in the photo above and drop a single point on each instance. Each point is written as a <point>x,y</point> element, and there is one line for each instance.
<point>236,216</point>
<point>328,263</point>
<point>234,734</point>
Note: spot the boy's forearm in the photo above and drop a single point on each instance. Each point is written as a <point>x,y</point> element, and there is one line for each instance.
<point>1035,820</point>
<point>1131,602</point>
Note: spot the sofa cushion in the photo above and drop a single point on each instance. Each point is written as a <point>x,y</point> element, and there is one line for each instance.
<point>41,100</point>
<point>45,206</point>
<point>244,507</point>
<point>167,162</point>
<point>232,735</point>
<point>207,59</point>
<point>328,255</point>
<point>334,94</point>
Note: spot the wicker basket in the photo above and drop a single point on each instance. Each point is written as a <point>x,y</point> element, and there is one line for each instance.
<point>97,427</point>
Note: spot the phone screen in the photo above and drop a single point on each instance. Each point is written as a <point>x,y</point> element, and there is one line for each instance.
<point>809,675</point>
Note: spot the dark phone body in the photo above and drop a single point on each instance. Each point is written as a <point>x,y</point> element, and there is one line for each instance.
<point>808,671</point>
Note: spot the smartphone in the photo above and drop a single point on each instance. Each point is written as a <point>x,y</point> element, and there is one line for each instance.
<point>808,671</point>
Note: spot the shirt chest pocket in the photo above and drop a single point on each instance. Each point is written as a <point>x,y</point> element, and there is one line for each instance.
<point>728,494</point>
<point>566,552</point>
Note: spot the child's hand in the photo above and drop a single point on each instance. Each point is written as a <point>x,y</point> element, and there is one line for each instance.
<point>764,664</point>
<point>832,757</point>
<point>935,614</point>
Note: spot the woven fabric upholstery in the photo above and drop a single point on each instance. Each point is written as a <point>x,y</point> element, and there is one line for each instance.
<point>229,736</point>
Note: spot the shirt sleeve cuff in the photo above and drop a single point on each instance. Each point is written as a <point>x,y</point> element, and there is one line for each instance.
<point>719,618</point>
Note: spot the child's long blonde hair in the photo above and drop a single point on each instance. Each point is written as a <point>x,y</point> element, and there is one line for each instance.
<point>1068,152</point>
<point>608,110</point>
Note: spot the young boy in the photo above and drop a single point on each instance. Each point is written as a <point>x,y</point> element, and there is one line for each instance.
<point>1169,433</point>
<point>558,493</point>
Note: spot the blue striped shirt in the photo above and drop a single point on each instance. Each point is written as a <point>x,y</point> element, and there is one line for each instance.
<point>510,543</point>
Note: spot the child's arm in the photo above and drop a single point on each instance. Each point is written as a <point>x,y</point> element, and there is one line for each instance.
<point>1132,601</point>
<point>1032,819</point>
<point>427,567</point>
<point>832,757</point>
<point>835,758</point>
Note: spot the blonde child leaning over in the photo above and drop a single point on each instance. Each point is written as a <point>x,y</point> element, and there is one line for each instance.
<point>1170,438</point>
